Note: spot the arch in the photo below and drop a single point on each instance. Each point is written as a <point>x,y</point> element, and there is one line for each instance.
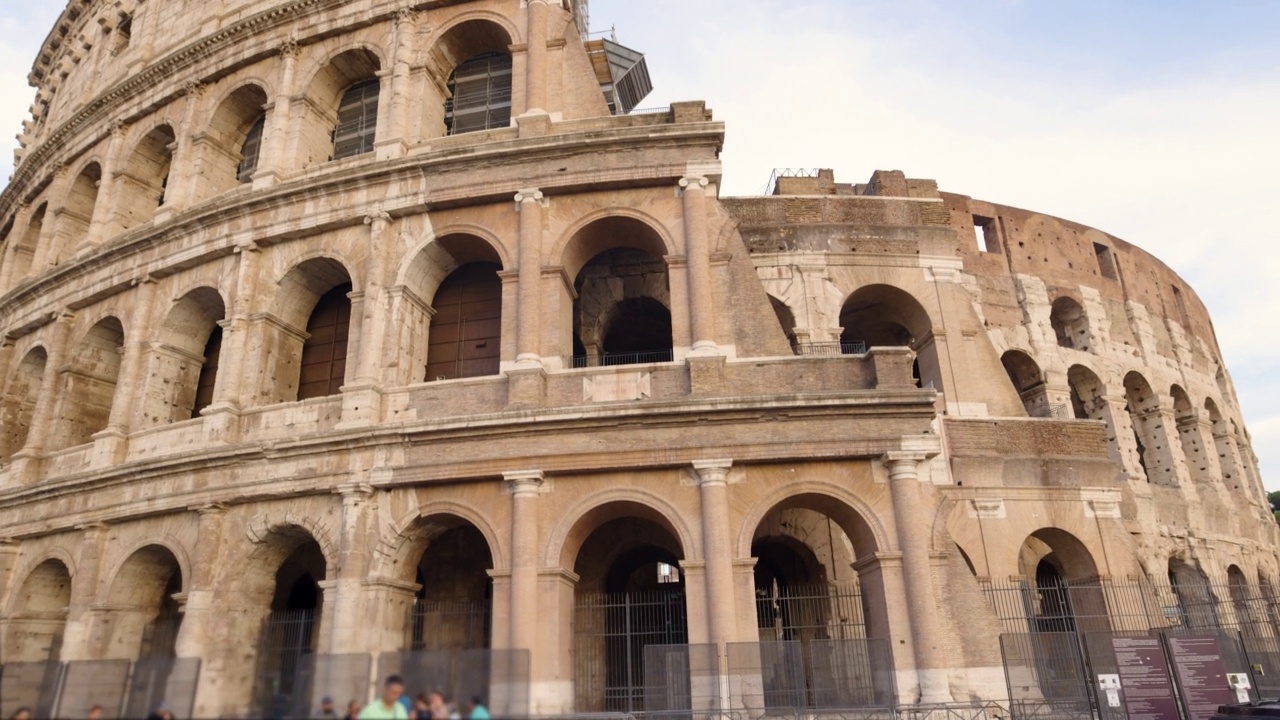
<point>435,258</point>
<point>144,614</point>
<point>579,522</point>
<point>25,251</point>
<point>1223,445</point>
<point>400,550</point>
<point>856,518</point>
<point>144,182</point>
<point>1198,608</point>
<point>465,338</point>
<point>1149,434</point>
<point>183,368</point>
<point>1187,438</point>
<point>230,145</point>
<point>608,229</point>
<point>342,106</point>
<point>1060,576</point>
<point>884,315</point>
<point>88,389</point>
<point>470,36</point>
<point>76,215</point>
<point>18,406</point>
<point>1088,393</point>
<point>38,612</point>
<point>450,560</point>
<point>1070,324</point>
<point>272,547</point>
<point>1064,550</point>
<point>786,319</point>
<point>1028,381</point>
<point>313,305</point>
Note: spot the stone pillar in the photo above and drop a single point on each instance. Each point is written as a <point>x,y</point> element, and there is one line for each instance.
<point>394,133</point>
<point>525,486</point>
<point>536,59</point>
<point>273,161</point>
<point>348,618</point>
<point>222,415</point>
<point>46,252</point>
<point>84,592</point>
<point>922,601</point>
<point>100,228</point>
<point>111,444</point>
<point>9,551</point>
<point>362,391</point>
<point>26,464</point>
<point>713,484</point>
<point>702,319</point>
<point>181,187</point>
<point>529,204</point>
<point>201,614</point>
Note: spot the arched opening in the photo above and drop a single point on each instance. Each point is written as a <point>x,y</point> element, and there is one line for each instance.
<point>453,606</point>
<point>1061,578</point>
<point>1070,324</point>
<point>466,331</point>
<point>311,348</point>
<point>472,62</point>
<point>1243,603</point>
<point>38,615</point>
<point>1187,439</point>
<point>810,609</point>
<point>622,312</point>
<point>144,616</point>
<point>89,385</point>
<point>230,147</point>
<point>886,316</point>
<point>1143,407</point>
<point>630,596</point>
<point>76,215</point>
<point>479,94</point>
<point>183,368</point>
<point>19,402</point>
<point>1025,375</point>
<point>145,179</point>
<point>24,253</point>
<point>6,249</point>
<point>341,115</point>
<point>1224,445</point>
<point>292,627</point>
<point>1196,605</point>
<point>786,319</point>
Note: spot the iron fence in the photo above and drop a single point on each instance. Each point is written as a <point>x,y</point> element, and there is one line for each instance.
<point>500,678</point>
<point>444,625</point>
<point>628,358</point>
<point>32,685</point>
<point>121,688</point>
<point>856,347</point>
<point>820,675</point>
<point>611,633</point>
<point>287,635</point>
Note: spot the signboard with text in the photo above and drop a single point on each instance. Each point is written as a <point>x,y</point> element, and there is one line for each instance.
<point>1144,678</point>
<point>1202,675</point>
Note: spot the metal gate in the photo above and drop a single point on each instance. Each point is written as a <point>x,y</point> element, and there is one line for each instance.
<point>287,635</point>
<point>611,632</point>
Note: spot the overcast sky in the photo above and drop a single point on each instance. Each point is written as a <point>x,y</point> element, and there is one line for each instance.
<point>1154,120</point>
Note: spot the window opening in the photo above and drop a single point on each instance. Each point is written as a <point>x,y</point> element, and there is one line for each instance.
<point>479,95</point>
<point>208,371</point>
<point>250,150</point>
<point>1106,261</point>
<point>1182,306</point>
<point>984,229</point>
<point>357,120</point>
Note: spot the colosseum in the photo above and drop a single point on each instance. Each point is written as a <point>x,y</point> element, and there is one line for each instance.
<point>343,338</point>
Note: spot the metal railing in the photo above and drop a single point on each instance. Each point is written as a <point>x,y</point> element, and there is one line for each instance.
<point>856,347</point>
<point>628,358</point>
<point>122,688</point>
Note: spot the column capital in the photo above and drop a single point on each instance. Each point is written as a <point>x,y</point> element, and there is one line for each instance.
<point>354,491</point>
<point>406,15</point>
<point>903,464</point>
<point>524,482</point>
<point>290,48</point>
<point>529,195</point>
<point>713,472</point>
<point>209,509</point>
<point>690,181</point>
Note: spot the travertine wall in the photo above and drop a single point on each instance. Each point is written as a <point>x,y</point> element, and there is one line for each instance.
<point>915,465</point>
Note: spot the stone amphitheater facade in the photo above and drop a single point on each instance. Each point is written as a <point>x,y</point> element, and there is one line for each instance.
<point>280,337</point>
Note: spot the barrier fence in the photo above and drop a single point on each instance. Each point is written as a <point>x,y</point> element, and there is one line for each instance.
<point>122,688</point>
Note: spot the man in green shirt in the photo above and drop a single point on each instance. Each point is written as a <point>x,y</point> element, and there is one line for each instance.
<point>388,706</point>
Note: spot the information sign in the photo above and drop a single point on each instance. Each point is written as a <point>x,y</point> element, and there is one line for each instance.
<point>1144,679</point>
<point>1202,676</point>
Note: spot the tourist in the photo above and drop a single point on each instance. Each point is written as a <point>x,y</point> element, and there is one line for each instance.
<point>327,711</point>
<point>421,708</point>
<point>388,706</point>
<point>476,709</point>
<point>353,711</point>
<point>439,708</point>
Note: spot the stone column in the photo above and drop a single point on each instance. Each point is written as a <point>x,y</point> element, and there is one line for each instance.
<point>348,617</point>
<point>922,601</point>
<point>713,485</point>
<point>528,331</point>
<point>220,418</point>
<point>273,161</point>
<point>111,444</point>
<point>201,614</point>
<point>536,62</point>
<point>84,592</point>
<point>181,189</point>
<point>702,320</point>
<point>26,461</point>
<point>525,486</point>
<point>394,133</point>
<point>100,228</point>
<point>362,391</point>
<point>46,252</point>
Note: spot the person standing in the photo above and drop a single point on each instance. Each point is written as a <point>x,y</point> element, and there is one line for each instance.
<point>387,707</point>
<point>327,711</point>
<point>476,709</point>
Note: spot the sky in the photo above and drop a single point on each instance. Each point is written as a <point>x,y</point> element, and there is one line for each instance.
<point>1153,120</point>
